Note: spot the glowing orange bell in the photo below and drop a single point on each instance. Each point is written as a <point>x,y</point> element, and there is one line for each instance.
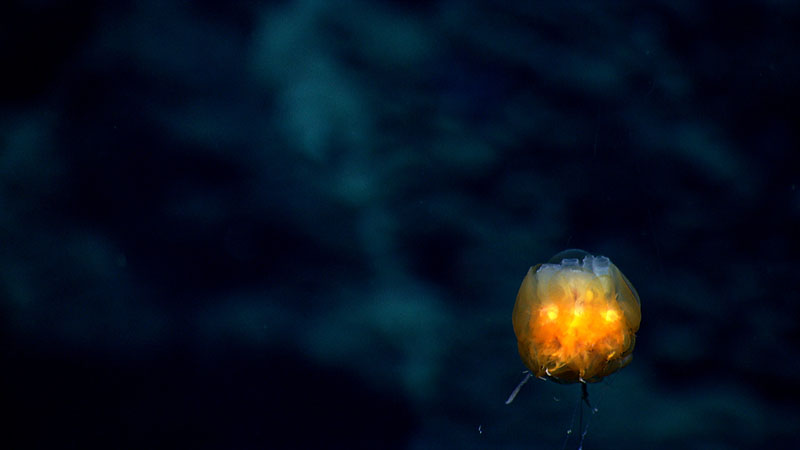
<point>576,318</point>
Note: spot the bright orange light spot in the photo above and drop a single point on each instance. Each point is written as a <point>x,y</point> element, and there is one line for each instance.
<point>576,321</point>
<point>551,312</point>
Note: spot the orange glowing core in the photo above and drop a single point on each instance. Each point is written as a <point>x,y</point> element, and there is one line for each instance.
<point>576,320</point>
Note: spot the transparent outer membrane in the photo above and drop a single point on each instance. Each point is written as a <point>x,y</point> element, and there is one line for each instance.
<point>576,318</point>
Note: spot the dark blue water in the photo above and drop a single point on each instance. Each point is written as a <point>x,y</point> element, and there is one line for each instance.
<point>303,224</point>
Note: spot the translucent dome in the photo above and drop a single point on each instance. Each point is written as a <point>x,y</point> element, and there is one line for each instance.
<point>576,318</point>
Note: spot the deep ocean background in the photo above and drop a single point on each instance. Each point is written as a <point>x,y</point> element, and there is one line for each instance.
<point>303,224</point>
